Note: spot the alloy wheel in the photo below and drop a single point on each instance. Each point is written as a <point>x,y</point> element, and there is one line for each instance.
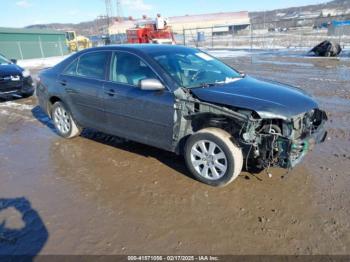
<point>62,120</point>
<point>209,160</point>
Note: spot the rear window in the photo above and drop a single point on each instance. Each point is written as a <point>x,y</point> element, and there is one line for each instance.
<point>91,65</point>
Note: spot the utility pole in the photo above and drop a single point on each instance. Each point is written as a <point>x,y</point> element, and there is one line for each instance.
<point>120,14</point>
<point>109,13</point>
<point>110,16</point>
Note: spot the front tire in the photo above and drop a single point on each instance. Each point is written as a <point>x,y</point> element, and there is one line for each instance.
<point>212,157</point>
<point>64,121</point>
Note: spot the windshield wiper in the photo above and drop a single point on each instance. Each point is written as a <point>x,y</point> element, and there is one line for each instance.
<point>217,83</point>
<point>204,85</point>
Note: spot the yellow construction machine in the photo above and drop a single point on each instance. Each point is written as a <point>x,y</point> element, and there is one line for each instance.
<point>76,43</point>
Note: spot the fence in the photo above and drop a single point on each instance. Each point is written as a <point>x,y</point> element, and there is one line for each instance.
<point>100,40</point>
<point>32,49</point>
<point>255,37</point>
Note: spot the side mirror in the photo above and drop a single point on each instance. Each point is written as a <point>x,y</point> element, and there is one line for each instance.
<point>14,61</point>
<point>151,85</point>
<point>242,74</point>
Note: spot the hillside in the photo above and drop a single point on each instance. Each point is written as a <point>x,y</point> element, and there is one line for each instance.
<point>337,9</point>
<point>97,26</point>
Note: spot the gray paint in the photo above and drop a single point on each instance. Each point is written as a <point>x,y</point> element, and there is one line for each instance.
<point>162,118</point>
<point>260,96</point>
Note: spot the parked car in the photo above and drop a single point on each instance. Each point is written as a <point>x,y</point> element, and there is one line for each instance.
<point>185,101</point>
<point>14,79</point>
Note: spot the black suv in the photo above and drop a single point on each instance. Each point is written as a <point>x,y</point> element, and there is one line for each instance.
<point>14,79</point>
<point>183,100</point>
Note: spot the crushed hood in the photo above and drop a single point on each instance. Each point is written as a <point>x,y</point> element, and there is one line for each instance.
<point>265,98</point>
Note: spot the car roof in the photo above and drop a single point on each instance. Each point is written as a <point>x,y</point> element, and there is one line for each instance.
<point>144,48</point>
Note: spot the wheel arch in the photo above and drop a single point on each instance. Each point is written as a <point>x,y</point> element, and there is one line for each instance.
<point>201,121</point>
<point>55,98</point>
<point>50,102</point>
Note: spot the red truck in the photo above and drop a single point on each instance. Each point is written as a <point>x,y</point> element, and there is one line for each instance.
<point>149,32</point>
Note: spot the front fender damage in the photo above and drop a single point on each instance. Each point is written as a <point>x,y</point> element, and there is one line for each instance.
<point>265,142</point>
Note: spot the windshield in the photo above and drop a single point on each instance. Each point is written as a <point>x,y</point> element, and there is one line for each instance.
<point>192,68</point>
<point>4,60</point>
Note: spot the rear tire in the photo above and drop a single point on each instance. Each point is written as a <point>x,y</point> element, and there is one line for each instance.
<point>64,121</point>
<point>212,157</point>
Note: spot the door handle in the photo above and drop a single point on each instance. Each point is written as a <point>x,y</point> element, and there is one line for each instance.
<point>63,82</point>
<point>111,92</point>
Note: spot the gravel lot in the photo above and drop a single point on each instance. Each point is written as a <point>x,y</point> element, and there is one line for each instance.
<point>99,195</point>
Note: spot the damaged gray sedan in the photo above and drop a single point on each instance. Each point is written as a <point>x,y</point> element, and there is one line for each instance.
<point>185,101</point>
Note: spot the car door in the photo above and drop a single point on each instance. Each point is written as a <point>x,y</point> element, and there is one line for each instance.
<point>83,82</point>
<point>139,115</point>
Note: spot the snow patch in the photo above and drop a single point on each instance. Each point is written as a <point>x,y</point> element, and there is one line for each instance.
<point>228,53</point>
<point>41,62</point>
<point>16,115</point>
<point>15,105</point>
<point>4,112</point>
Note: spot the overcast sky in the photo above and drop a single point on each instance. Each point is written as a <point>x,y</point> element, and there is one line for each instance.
<point>19,13</point>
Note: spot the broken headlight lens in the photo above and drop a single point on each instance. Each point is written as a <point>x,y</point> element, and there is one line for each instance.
<point>26,73</point>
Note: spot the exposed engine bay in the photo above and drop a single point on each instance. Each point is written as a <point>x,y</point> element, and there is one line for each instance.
<point>283,143</point>
<point>265,142</point>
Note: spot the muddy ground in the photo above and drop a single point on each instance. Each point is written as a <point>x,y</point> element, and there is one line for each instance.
<point>99,195</point>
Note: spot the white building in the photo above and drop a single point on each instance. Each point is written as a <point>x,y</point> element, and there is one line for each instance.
<point>179,23</point>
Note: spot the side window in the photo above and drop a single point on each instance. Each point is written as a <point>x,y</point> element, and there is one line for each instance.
<point>92,65</point>
<point>129,69</point>
<point>72,68</point>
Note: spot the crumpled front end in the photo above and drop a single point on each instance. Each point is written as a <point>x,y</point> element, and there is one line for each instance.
<point>284,143</point>
<point>266,139</point>
<point>309,130</point>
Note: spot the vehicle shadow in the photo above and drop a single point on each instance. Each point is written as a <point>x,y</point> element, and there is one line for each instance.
<point>170,159</point>
<point>22,232</point>
<point>43,118</point>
